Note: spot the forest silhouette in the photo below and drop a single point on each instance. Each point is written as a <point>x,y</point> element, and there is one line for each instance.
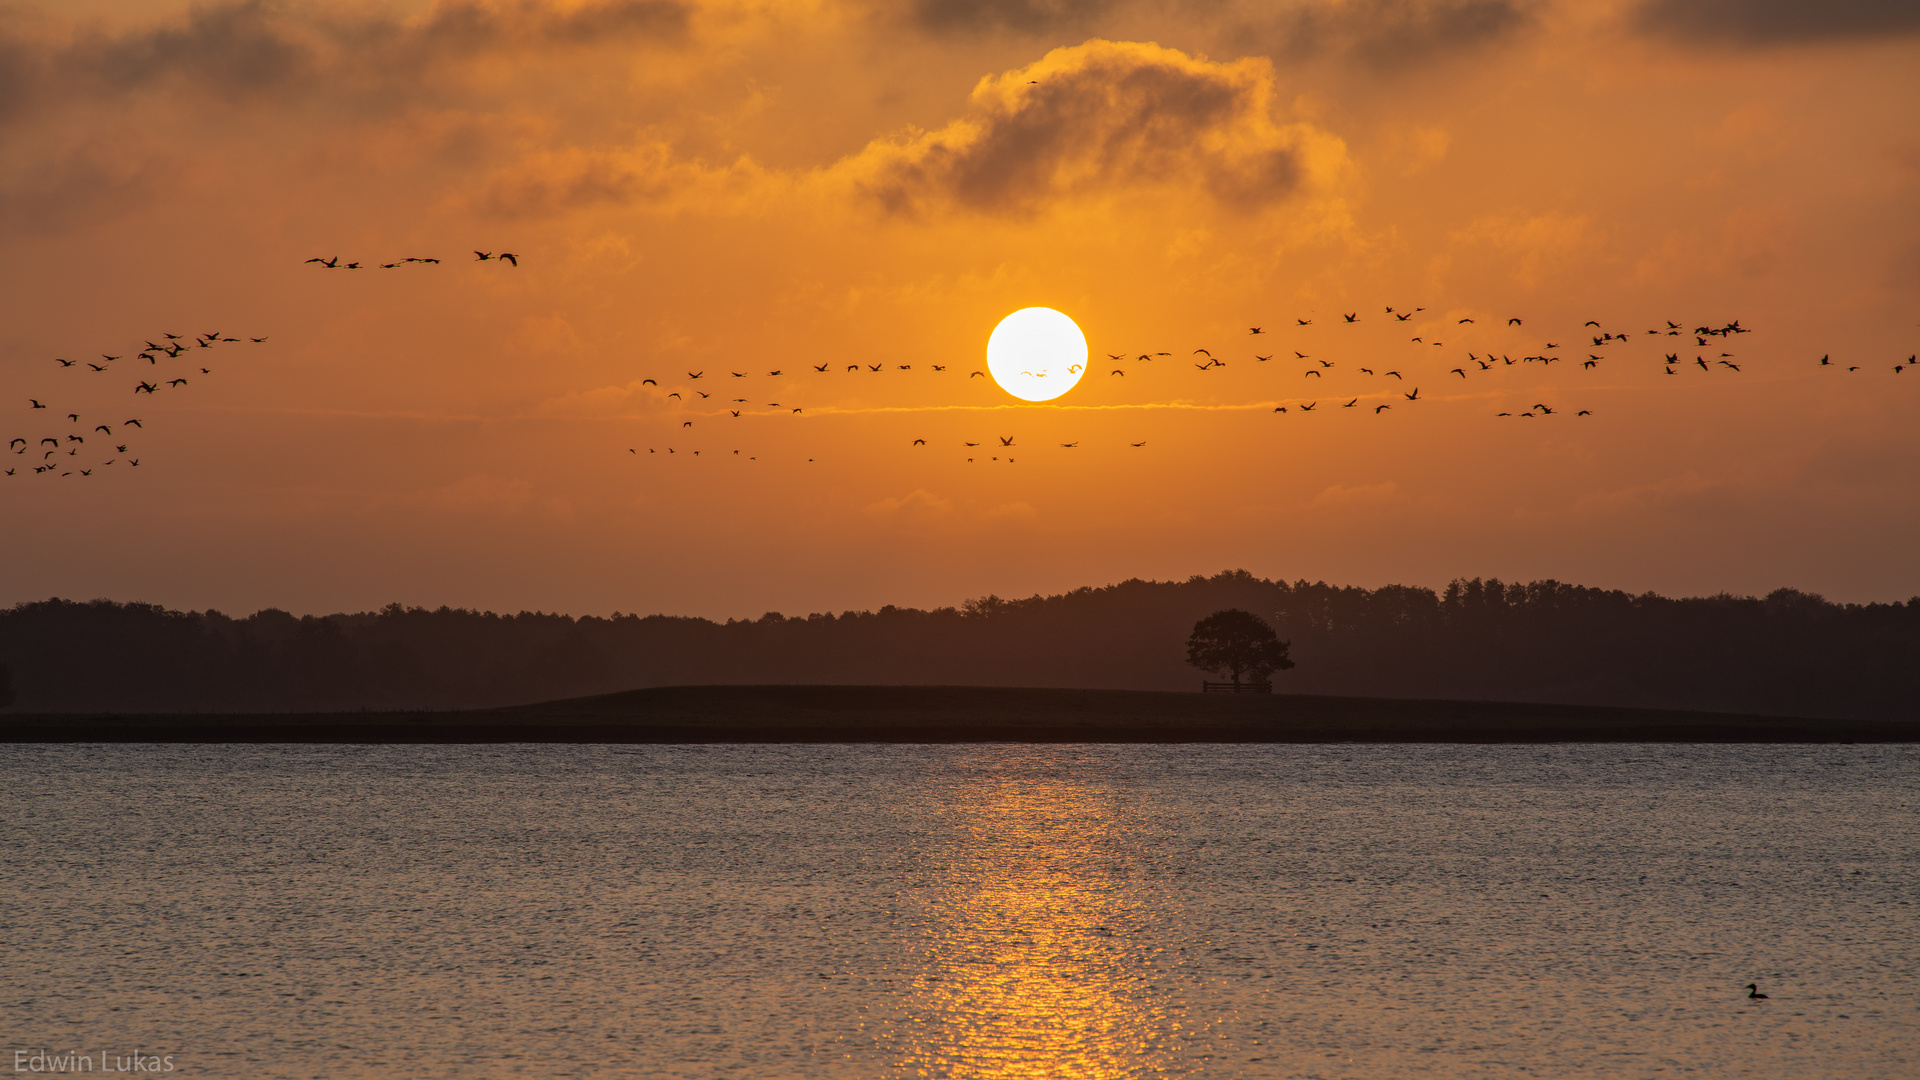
<point>1788,654</point>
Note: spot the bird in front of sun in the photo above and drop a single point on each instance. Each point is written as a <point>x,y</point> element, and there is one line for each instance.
<point>1037,354</point>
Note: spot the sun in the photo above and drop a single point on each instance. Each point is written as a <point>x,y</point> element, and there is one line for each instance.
<point>1037,354</point>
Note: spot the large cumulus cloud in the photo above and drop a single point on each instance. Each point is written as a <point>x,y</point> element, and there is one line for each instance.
<point>1102,117</point>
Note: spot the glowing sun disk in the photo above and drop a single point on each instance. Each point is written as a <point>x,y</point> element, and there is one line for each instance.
<point>1037,354</point>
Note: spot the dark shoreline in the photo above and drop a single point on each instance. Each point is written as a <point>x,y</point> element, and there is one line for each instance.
<point>960,714</point>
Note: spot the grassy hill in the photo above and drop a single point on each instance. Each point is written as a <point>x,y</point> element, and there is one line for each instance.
<point>939,714</point>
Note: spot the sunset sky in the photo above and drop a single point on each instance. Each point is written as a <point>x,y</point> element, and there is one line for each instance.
<point>747,187</point>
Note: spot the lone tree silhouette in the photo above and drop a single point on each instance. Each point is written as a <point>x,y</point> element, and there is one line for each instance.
<point>1239,643</point>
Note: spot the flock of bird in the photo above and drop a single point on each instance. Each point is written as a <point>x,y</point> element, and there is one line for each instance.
<point>334,262</point>
<point>173,363</point>
<point>1710,346</point>
<point>60,453</point>
<point>164,357</point>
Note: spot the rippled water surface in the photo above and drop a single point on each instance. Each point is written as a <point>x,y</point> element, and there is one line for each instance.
<point>976,911</point>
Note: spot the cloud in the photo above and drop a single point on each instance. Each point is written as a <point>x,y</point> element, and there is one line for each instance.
<point>1363,495</point>
<point>1532,246</point>
<point>251,48</point>
<point>1010,513</point>
<point>1387,33</point>
<point>90,184</point>
<point>916,505</point>
<point>1717,23</point>
<point>476,494</point>
<point>1028,16</point>
<point>1102,117</point>
<point>1684,487</point>
<point>548,182</point>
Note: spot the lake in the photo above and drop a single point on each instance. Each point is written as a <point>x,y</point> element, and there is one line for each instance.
<point>989,910</point>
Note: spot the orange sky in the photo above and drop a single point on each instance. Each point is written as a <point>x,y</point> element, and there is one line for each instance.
<point>747,187</point>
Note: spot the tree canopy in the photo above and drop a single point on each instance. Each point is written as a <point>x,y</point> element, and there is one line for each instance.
<point>1785,653</point>
<point>1239,643</point>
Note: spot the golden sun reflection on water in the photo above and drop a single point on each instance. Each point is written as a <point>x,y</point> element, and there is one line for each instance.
<point>1037,945</point>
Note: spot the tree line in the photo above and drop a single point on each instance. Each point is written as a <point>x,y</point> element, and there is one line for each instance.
<point>1788,653</point>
